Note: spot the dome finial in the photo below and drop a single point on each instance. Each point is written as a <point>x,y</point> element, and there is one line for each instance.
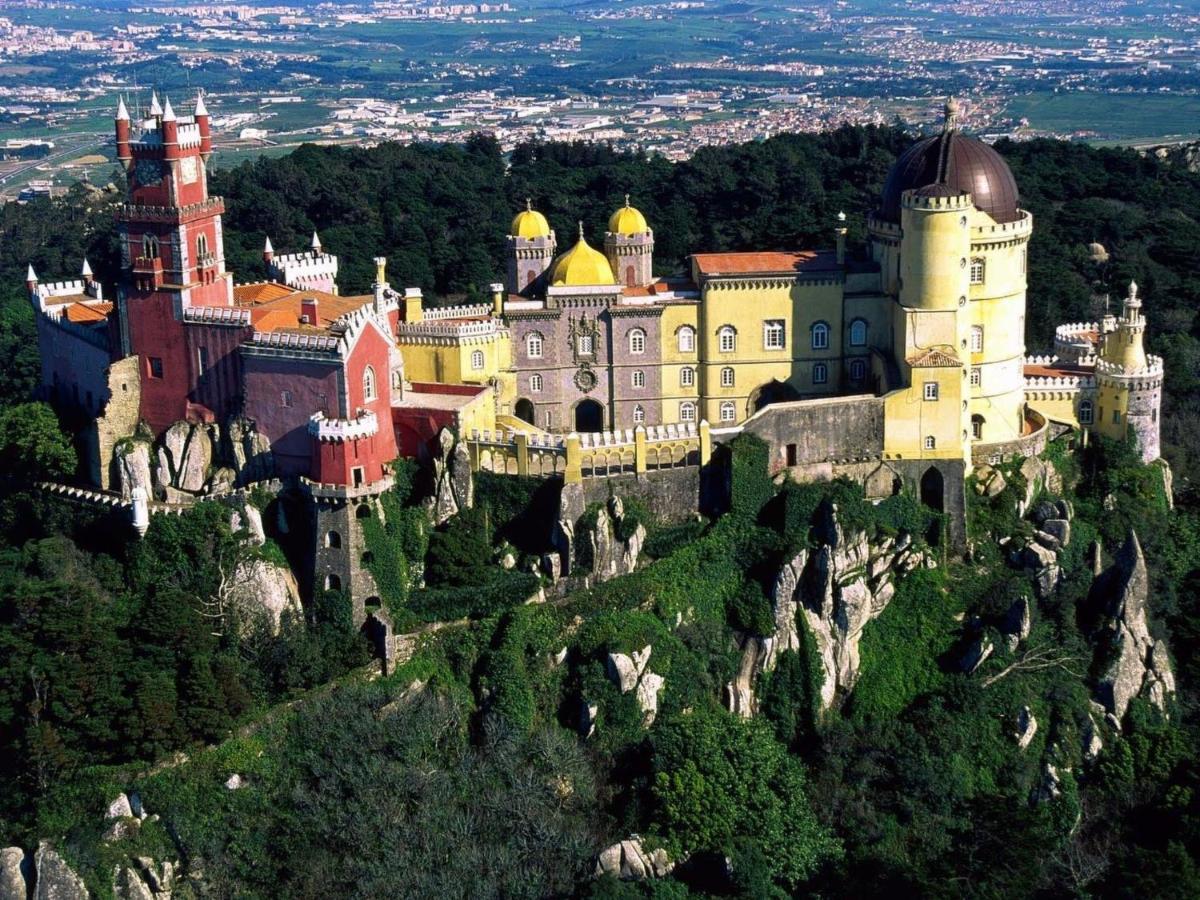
<point>581,229</point>
<point>951,110</point>
<point>1133,291</point>
<point>627,201</point>
<point>529,204</point>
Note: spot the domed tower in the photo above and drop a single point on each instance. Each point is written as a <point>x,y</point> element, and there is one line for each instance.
<point>950,239</point>
<point>531,248</point>
<point>1129,382</point>
<point>629,246</point>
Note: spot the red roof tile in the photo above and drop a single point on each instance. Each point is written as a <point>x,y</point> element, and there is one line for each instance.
<point>766,263</point>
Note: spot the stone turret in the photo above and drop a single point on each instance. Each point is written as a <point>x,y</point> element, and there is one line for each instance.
<point>629,246</point>
<point>532,246</point>
<point>1129,381</point>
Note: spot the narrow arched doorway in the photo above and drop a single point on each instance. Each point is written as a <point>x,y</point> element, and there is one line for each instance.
<point>589,416</point>
<point>933,489</point>
<point>524,410</point>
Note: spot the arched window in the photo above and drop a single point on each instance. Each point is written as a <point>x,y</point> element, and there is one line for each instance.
<point>477,360</point>
<point>820,336</point>
<point>727,339</point>
<point>858,333</point>
<point>976,338</point>
<point>1085,412</point>
<point>533,345</point>
<point>687,412</point>
<point>333,540</point>
<point>333,583</point>
<point>362,511</point>
<point>930,442</point>
<point>687,377</point>
<point>773,335</point>
<point>728,411</point>
<point>687,339</point>
<point>977,427</point>
<point>858,370</point>
<point>150,247</point>
<point>637,341</point>
<point>977,270</point>
<point>201,246</point>
<point>820,373</point>
<point>535,383</point>
<point>976,376</point>
<point>630,276</point>
<point>368,384</point>
<point>727,377</point>
<point>639,379</point>
<point>639,414</point>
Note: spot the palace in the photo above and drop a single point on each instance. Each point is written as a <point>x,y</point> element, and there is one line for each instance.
<point>901,364</point>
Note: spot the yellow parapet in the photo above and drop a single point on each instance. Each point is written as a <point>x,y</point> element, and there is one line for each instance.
<point>639,450</point>
<point>574,471</point>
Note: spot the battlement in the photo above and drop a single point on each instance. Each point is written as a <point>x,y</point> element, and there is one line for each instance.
<point>950,202</point>
<point>51,289</point>
<point>364,425</point>
<point>1152,369</point>
<point>448,332</point>
<point>466,311</point>
<point>1003,231</point>
<point>217,315</point>
<point>286,340</point>
<point>173,215</point>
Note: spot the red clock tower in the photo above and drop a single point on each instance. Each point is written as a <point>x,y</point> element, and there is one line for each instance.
<point>172,253</point>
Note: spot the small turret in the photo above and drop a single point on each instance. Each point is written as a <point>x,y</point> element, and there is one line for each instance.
<point>316,244</point>
<point>156,109</point>
<point>31,279</point>
<point>86,271</point>
<point>840,231</point>
<point>124,154</point>
<point>268,251</point>
<point>170,131</point>
<point>204,127</point>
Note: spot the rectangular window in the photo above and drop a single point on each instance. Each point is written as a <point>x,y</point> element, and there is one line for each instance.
<point>1116,420</point>
<point>201,360</point>
<point>792,454</point>
<point>357,474</point>
<point>930,443</point>
<point>773,334</point>
<point>285,399</point>
<point>977,339</point>
<point>156,367</point>
<point>639,379</point>
<point>585,344</point>
<point>976,376</point>
<point>931,390</point>
<point>687,376</point>
<point>977,271</point>
<point>820,373</point>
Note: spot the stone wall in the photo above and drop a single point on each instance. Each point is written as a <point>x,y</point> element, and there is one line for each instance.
<point>119,420</point>
<point>809,432</point>
<point>671,495</point>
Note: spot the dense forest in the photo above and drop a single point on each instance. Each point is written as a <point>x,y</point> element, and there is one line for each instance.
<point>466,772</point>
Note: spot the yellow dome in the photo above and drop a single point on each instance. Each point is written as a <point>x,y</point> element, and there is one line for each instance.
<point>529,223</point>
<point>627,220</point>
<point>581,265</point>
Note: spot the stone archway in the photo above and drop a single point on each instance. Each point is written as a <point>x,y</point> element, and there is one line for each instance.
<point>525,412</point>
<point>589,416</point>
<point>772,392</point>
<point>933,489</point>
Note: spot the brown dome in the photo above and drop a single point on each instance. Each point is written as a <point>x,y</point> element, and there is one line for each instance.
<point>963,164</point>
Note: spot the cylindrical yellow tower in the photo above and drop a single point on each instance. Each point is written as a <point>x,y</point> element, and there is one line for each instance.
<point>936,236</point>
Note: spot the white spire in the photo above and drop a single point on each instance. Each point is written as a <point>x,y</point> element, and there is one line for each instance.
<point>201,109</point>
<point>31,276</point>
<point>1133,290</point>
<point>168,113</point>
<point>155,106</point>
<point>86,271</point>
<point>267,248</point>
<point>122,112</point>
<point>316,243</point>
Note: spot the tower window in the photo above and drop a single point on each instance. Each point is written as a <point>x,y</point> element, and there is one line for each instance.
<point>535,383</point>
<point>1085,412</point>
<point>333,540</point>
<point>156,367</point>
<point>586,345</point>
<point>773,334</point>
<point>976,376</point>
<point>931,390</point>
<point>285,399</point>
<point>533,345</point>
<point>368,384</point>
<point>639,414</point>
<point>639,378</point>
<point>637,341</point>
<point>820,373</point>
<point>977,427</point>
<point>1116,417</point>
<point>687,376</point>
<point>201,246</point>
<point>820,336</point>
<point>976,338</point>
<point>687,412</point>
<point>333,583</point>
<point>727,339</point>
<point>150,247</point>
<point>477,360</point>
<point>930,442</point>
<point>687,339</point>
<point>977,270</point>
<point>727,377</point>
<point>858,333</point>
<point>728,411</point>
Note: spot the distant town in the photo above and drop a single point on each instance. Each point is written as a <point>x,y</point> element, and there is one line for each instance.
<point>703,73</point>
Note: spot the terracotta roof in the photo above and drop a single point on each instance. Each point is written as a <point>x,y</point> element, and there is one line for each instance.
<point>282,312</point>
<point>85,314</point>
<point>1062,370</point>
<point>64,299</point>
<point>933,359</point>
<point>259,292</point>
<point>765,263</point>
<point>661,286</point>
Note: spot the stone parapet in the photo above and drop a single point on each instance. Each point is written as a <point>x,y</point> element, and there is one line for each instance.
<point>364,425</point>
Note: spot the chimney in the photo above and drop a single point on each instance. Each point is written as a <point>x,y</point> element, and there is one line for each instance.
<point>381,270</point>
<point>308,310</point>
<point>497,300</point>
